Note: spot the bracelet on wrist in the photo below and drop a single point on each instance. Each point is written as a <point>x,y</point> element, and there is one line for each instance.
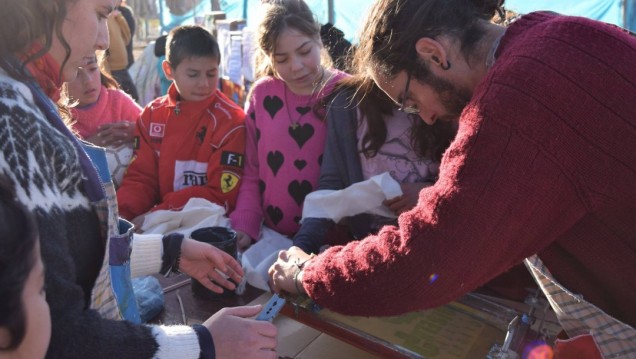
<point>298,270</point>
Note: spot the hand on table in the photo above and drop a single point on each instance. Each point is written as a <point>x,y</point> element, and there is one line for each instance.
<point>235,335</point>
<point>208,265</point>
<point>281,273</point>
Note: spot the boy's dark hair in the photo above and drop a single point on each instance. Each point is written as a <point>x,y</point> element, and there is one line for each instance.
<point>18,237</point>
<point>190,41</point>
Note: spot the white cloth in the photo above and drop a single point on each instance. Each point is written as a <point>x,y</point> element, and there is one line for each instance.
<point>362,197</point>
<point>257,259</point>
<point>197,213</point>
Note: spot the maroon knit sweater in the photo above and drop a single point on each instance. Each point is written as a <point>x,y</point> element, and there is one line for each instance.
<point>544,162</point>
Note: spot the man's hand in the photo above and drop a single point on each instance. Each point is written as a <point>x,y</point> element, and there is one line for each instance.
<point>236,336</point>
<point>209,265</point>
<point>281,273</point>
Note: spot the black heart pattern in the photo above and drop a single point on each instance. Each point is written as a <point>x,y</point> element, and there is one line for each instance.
<point>301,134</point>
<point>300,164</point>
<point>303,110</point>
<point>297,219</point>
<point>275,214</point>
<point>261,186</point>
<point>253,115</point>
<point>275,160</point>
<point>299,190</point>
<point>272,105</point>
<point>258,134</point>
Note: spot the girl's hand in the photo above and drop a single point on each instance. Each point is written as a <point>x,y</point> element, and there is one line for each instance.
<point>209,265</point>
<point>243,241</point>
<point>115,134</point>
<point>408,199</point>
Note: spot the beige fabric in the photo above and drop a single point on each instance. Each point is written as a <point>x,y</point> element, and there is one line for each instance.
<point>120,36</point>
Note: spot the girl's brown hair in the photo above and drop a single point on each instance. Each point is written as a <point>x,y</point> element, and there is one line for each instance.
<point>280,15</point>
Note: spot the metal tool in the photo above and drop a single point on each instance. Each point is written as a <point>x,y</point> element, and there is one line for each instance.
<point>271,309</point>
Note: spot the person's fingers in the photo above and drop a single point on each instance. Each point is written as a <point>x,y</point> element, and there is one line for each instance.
<point>219,279</point>
<point>216,256</point>
<point>231,272</point>
<point>272,287</point>
<point>246,311</point>
<point>268,330</point>
<point>235,266</point>
<point>207,282</point>
<point>283,255</point>
<point>268,343</point>
<point>391,201</point>
<point>273,280</point>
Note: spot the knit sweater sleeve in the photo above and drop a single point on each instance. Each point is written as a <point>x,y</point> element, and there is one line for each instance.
<point>248,214</point>
<point>506,191</point>
<point>473,224</point>
<point>70,240</point>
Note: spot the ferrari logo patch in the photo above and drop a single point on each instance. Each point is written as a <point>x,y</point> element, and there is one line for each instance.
<point>229,180</point>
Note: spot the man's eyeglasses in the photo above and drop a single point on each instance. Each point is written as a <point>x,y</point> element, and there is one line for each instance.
<point>411,110</point>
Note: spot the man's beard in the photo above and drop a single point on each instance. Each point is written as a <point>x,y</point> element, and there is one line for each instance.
<point>452,97</point>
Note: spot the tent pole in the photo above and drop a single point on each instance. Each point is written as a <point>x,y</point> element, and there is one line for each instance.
<point>624,12</point>
<point>332,16</point>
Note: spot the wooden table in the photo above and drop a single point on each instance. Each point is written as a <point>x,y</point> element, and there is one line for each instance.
<point>422,334</point>
<point>181,303</point>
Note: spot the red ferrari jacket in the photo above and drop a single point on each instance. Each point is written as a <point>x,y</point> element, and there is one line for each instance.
<point>184,149</point>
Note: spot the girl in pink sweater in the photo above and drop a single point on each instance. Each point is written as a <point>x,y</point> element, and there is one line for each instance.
<point>103,114</point>
<point>286,131</point>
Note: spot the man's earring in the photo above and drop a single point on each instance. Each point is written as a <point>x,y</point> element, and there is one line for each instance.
<point>448,65</point>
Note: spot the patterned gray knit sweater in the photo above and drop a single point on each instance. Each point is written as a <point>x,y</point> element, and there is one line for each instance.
<point>44,167</point>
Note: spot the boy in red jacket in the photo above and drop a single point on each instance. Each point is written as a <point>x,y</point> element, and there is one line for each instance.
<point>190,142</point>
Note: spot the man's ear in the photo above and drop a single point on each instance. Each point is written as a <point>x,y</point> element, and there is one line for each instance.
<point>430,50</point>
<point>167,70</point>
